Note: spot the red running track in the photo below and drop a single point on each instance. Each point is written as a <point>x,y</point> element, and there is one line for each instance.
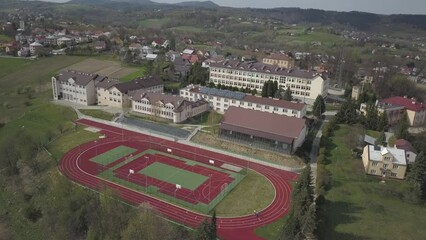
<point>242,227</point>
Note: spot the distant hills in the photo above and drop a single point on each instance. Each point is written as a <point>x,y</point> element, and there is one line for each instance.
<point>196,4</point>
<point>359,20</point>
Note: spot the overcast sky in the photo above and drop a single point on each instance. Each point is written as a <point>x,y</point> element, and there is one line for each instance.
<point>374,6</point>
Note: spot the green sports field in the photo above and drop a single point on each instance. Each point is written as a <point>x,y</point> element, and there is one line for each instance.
<point>112,155</point>
<point>174,175</point>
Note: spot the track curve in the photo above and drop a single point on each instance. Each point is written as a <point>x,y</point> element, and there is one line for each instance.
<point>242,227</point>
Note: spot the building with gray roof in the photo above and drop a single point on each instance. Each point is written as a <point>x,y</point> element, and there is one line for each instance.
<point>305,85</point>
<point>221,100</point>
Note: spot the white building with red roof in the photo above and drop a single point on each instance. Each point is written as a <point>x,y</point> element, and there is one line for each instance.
<point>221,100</point>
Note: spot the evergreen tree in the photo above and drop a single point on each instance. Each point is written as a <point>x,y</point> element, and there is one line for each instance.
<point>417,174</point>
<point>301,221</point>
<point>371,117</point>
<point>347,113</point>
<point>270,89</point>
<point>275,88</point>
<point>287,94</point>
<point>253,92</point>
<point>383,122</point>
<point>381,140</point>
<point>203,231</point>
<point>401,130</point>
<point>319,106</point>
<point>265,90</point>
<point>213,226</point>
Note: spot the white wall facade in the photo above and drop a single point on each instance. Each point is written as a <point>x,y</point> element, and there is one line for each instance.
<point>72,92</point>
<point>221,104</point>
<point>167,110</point>
<point>303,89</point>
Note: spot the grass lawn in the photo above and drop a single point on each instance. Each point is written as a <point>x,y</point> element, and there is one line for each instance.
<point>374,134</point>
<point>4,38</point>
<point>188,29</point>
<point>10,65</point>
<point>153,22</point>
<point>112,155</point>
<point>174,175</point>
<point>97,114</point>
<point>318,36</point>
<point>138,73</point>
<point>271,231</point>
<point>253,192</point>
<point>360,207</point>
<point>332,106</point>
<point>21,90</point>
<point>173,85</point>
<point>422,86</point>
<point>70,140</point>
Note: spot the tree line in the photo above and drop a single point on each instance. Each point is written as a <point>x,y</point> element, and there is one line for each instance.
<point>54,208</point>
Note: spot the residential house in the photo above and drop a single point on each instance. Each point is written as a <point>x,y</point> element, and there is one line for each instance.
<point>51,40</point>
<point>416,111</point>
<point>34,47</point>
<point>65,41</point>
<point>174,108</point>
<point>182,68</point>
<point>99,45</point>
<point>151,57</point>
<point>410,152</point>
<point>221,100</point>
<point>135,46</point>
<point>384,161</point>
<point>305,85</point>
<point>263,129</point>
<point>393,112</point>
<point>279,59</point>
<point>160,43</point>
<point>12,48</point>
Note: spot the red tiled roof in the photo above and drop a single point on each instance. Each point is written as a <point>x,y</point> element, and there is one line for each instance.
<point>407,103</point>
<point>263,124</point>
<point>404,144</point>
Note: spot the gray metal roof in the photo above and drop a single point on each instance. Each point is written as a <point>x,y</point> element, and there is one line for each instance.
<point>222,93</point>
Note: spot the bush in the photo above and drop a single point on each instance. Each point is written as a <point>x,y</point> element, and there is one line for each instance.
<point>323,181</point>
<point>32,213</point>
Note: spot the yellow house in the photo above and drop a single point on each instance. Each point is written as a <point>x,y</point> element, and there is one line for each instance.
<point>279,59</point>
<point>384,161</point>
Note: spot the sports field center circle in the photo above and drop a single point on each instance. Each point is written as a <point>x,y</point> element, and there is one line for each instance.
<point>241,227</point>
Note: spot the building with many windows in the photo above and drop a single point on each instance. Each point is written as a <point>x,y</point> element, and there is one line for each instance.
<point>305,85</point>
<point>384,161</point>
<point>262,129</point>
<point>91,89</point>
<point>174,108</point>
<point>221,100</point>
<point>279,59</point>
<point>117,95</point>
<point>76,87</point>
